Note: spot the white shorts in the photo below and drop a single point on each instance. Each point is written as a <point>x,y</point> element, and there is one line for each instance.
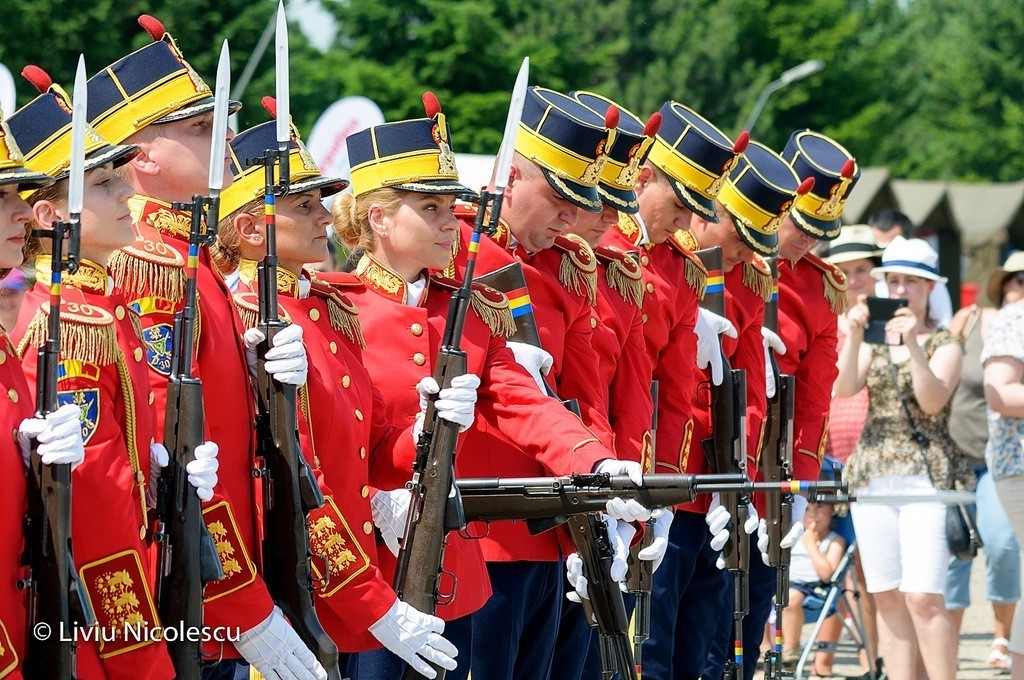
<point>1011,495</point>
<point>902,546</point>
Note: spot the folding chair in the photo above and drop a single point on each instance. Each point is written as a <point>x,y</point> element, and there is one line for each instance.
<point>853,626</point>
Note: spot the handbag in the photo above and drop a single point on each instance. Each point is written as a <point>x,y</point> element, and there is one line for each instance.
<point>962,535</point>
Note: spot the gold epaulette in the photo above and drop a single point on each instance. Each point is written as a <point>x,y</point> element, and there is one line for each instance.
<point>248,306</point>
<point>623,274</point>
<point>87,333</point>
<point>578,269</point>
<point>630,228</point>
<point>148,269</point>
<point>835,282</point>
<point>490,304</point>
<point>757,276</point>
<point>344,316</point>
<point>684,243</point>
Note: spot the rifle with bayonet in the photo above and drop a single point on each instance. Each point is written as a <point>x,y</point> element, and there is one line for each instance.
<point>641,572</point>
<point>55,596</point>
<point>186,558</point>
<point>544,503</point>
<point>777,466</point>
<point>727,452</point>
<point>434,509</point>
<point>289,488</point>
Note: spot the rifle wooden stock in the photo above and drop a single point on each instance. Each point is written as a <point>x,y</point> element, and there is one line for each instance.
<point>55,595</point>
<point>421,557</point>
<point>590,536</point>
<point>291,491</point>
<point>186,558</point>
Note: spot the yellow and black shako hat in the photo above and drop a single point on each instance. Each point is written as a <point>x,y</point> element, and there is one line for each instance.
<point>695,155</point>
<point>153,84</point>
<point>250,180</point>
<point>759,193</point>
<point>12,163</point>
<point>633,141</point>
<point>43,128</point>
<point>834,170</point>
<point>413,155</point>
<point>570,143</point>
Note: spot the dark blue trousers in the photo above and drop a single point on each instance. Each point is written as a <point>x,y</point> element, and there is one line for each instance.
<point>380,664</point>
<point>229,669</point>
<point>761,589</point>
<point>575,639</point>
<point>516,629</point>
<point>688,596</point>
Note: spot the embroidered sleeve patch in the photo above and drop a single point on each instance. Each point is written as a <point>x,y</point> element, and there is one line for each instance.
<point>234,559</point>
<point>8,654</point>
<point>157,337</point>
<point>331,539</point>
<point>117,589</point>
<point>88,400</point>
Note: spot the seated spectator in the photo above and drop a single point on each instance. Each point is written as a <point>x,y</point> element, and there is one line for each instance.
<point>813,561</point>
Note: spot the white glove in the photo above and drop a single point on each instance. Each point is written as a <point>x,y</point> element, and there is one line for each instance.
<point>456,404</point>
<point>771,341</point>
<point>275,650</point>
<point>655,552</point>
<point>791,537</point>
<point>158,459</point>
<point>626,510</point>
<point>202,472</point>
<point>574,574</point>
<point>709,347</point>
<point>286,360</point>
<point>717,520</point>
<point>59,435</point>
<point>620,535</point>
<point>535,360</point>
<point>414,636</point>
<point>390,510</point>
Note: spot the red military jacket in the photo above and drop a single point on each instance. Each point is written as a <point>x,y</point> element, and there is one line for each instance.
<point>103,372</point>
<point>747,288</point>
<point>674,282</point>
<point>342,420</point>
<point>812,293</point>
<point>18,404</point>
<point>405,340</point>
<point>625,367</point>
<point>150,274</point>
<point>562,285</point>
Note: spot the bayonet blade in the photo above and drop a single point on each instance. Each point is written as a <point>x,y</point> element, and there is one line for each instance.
<point>503,162</point>
<point>218,144</point>
<point>79,122</point>
<point>281,50</point>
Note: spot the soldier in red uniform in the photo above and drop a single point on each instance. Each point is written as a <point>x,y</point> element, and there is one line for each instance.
<point>342,415</point>
<point>101,373</point>
<point>756,196</point>
<point>58,435</point>
<point>153,99</point>
<point>400,216</point>
<point>812,292</point>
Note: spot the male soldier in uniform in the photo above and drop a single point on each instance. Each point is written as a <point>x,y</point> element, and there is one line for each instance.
<point>754,200</point>
<point>625,367</point>
<point>554,174</point>
<point>154,100</point>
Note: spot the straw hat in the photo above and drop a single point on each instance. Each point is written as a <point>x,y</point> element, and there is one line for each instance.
<point>909,256</point>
